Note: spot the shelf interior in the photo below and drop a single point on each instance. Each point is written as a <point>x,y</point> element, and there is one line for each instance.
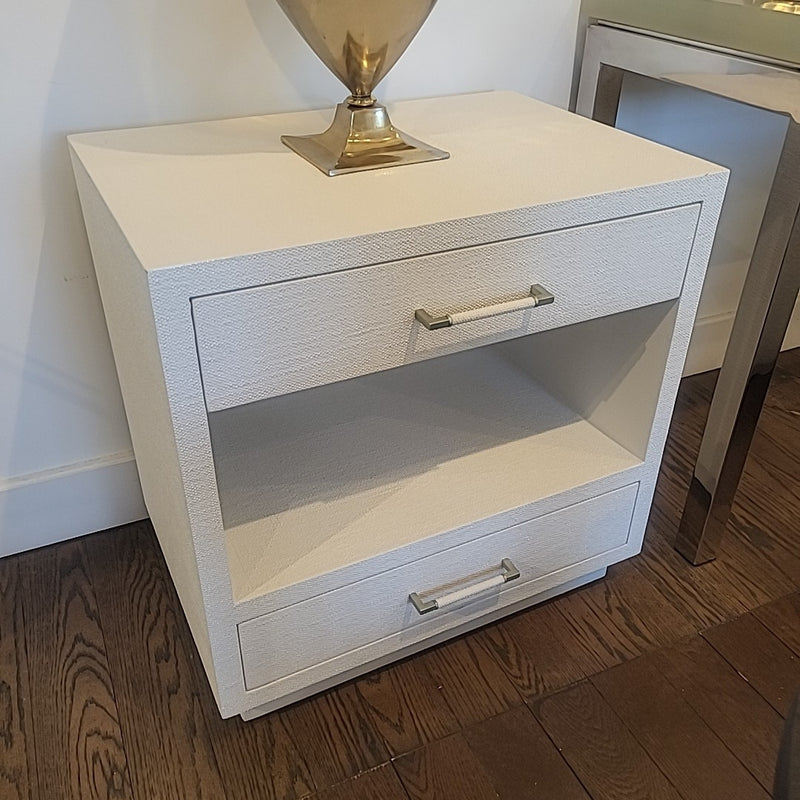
<point>316,480</point>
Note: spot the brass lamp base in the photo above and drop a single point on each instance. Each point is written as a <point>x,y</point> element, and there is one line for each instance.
<point>361,138</point>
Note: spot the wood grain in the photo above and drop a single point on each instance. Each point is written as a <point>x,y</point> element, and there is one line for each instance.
<point>773,462</point>
<point>755,570</point>
<point>336,736</point>
<point>162,702</point>
<point>471,681</point>
<point>520,759</point>
<point>775,556</point>
<point>723,699</point>
<point>681,744</point>
<point>782,618</point>
<point>259,760</point>
<point>445,770</point>
<point>702,593</point>
<point>80,750</point>
<point>256,760</point>
<point>609,761</point>
<point>539,653</point>
<point>760,657</point>
<point>622,616</point>
<point>750,569</point>
<point>18,780</point>
<point>407,706</point>
<point>380,783</point>
<point>759,558</point>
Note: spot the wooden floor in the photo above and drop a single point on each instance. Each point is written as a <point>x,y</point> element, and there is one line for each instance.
<point>662,681</point>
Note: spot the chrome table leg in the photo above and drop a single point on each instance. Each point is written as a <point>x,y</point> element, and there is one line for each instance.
<point>768,298</point>
<point>607,94</point>
<point>762,317</point>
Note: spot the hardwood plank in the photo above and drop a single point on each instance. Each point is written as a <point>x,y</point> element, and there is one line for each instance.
<point>539,653</point>
<point>162,704</point>
<point>380,783</point>
<point>472,683</point>
<point>336,735</point>
<point>789,362</point>
<point>723,699</point>
<point>760,549</point>
<point>18,779</point>
<point>79,746</point>
<point>701,594</point>
<point>683,747</point>
<point>444,770</point>
<point>774,462</point>
<point>622,616</point>
<point>753,528</point>
<point>520,760</point>
<point>782,619</point>
<point>746,573</point>
<point>407,706</point>
<point>750,568</point>
<point>767,501</point>
<point>610,763</point>
<point>760,657</point>
<point>707,594</point>
<point>259,760</point>
<point>754,562</point>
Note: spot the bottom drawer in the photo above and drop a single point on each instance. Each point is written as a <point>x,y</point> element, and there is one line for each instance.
<point>330,626</point>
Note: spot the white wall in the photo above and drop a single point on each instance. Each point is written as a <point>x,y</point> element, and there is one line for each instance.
<point>74,65</point>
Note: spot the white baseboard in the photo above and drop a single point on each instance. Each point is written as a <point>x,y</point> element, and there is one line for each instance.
<point>62,503</point>
<point>710,338</point>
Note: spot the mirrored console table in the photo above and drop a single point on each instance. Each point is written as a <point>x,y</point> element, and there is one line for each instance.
<point>748,55</point>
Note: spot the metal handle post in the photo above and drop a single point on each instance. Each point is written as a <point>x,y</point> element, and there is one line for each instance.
<point>539,296</point>
<point>509,573</point>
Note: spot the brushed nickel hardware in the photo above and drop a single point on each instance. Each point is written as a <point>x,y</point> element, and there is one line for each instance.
<point>509,573</point>
<point>539,296</point>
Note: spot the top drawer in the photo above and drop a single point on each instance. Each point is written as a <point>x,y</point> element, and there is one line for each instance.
<point>269,340</point>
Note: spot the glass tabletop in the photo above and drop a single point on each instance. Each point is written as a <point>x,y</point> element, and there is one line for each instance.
<point>786,6</point>
<point>743,26</point>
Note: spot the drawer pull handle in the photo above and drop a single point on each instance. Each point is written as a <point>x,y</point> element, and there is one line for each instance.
<point>539,296</point>
<point>509,573</point>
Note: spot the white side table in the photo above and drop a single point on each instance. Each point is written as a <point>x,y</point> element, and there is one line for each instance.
<point>333,484</point>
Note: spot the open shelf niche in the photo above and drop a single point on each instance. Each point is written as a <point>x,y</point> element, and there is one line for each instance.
<point>316,480</point>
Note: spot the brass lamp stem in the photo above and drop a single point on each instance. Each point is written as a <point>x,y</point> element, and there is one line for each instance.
<point>360,101</point>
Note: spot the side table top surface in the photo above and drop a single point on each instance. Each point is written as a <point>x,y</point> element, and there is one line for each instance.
<point>203,191</point>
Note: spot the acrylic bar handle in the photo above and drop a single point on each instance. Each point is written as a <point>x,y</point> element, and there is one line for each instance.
<point>509,573</point>
<point>539,296</point>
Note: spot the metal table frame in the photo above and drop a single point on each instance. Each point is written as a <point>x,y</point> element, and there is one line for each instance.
<point>771,285</point>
